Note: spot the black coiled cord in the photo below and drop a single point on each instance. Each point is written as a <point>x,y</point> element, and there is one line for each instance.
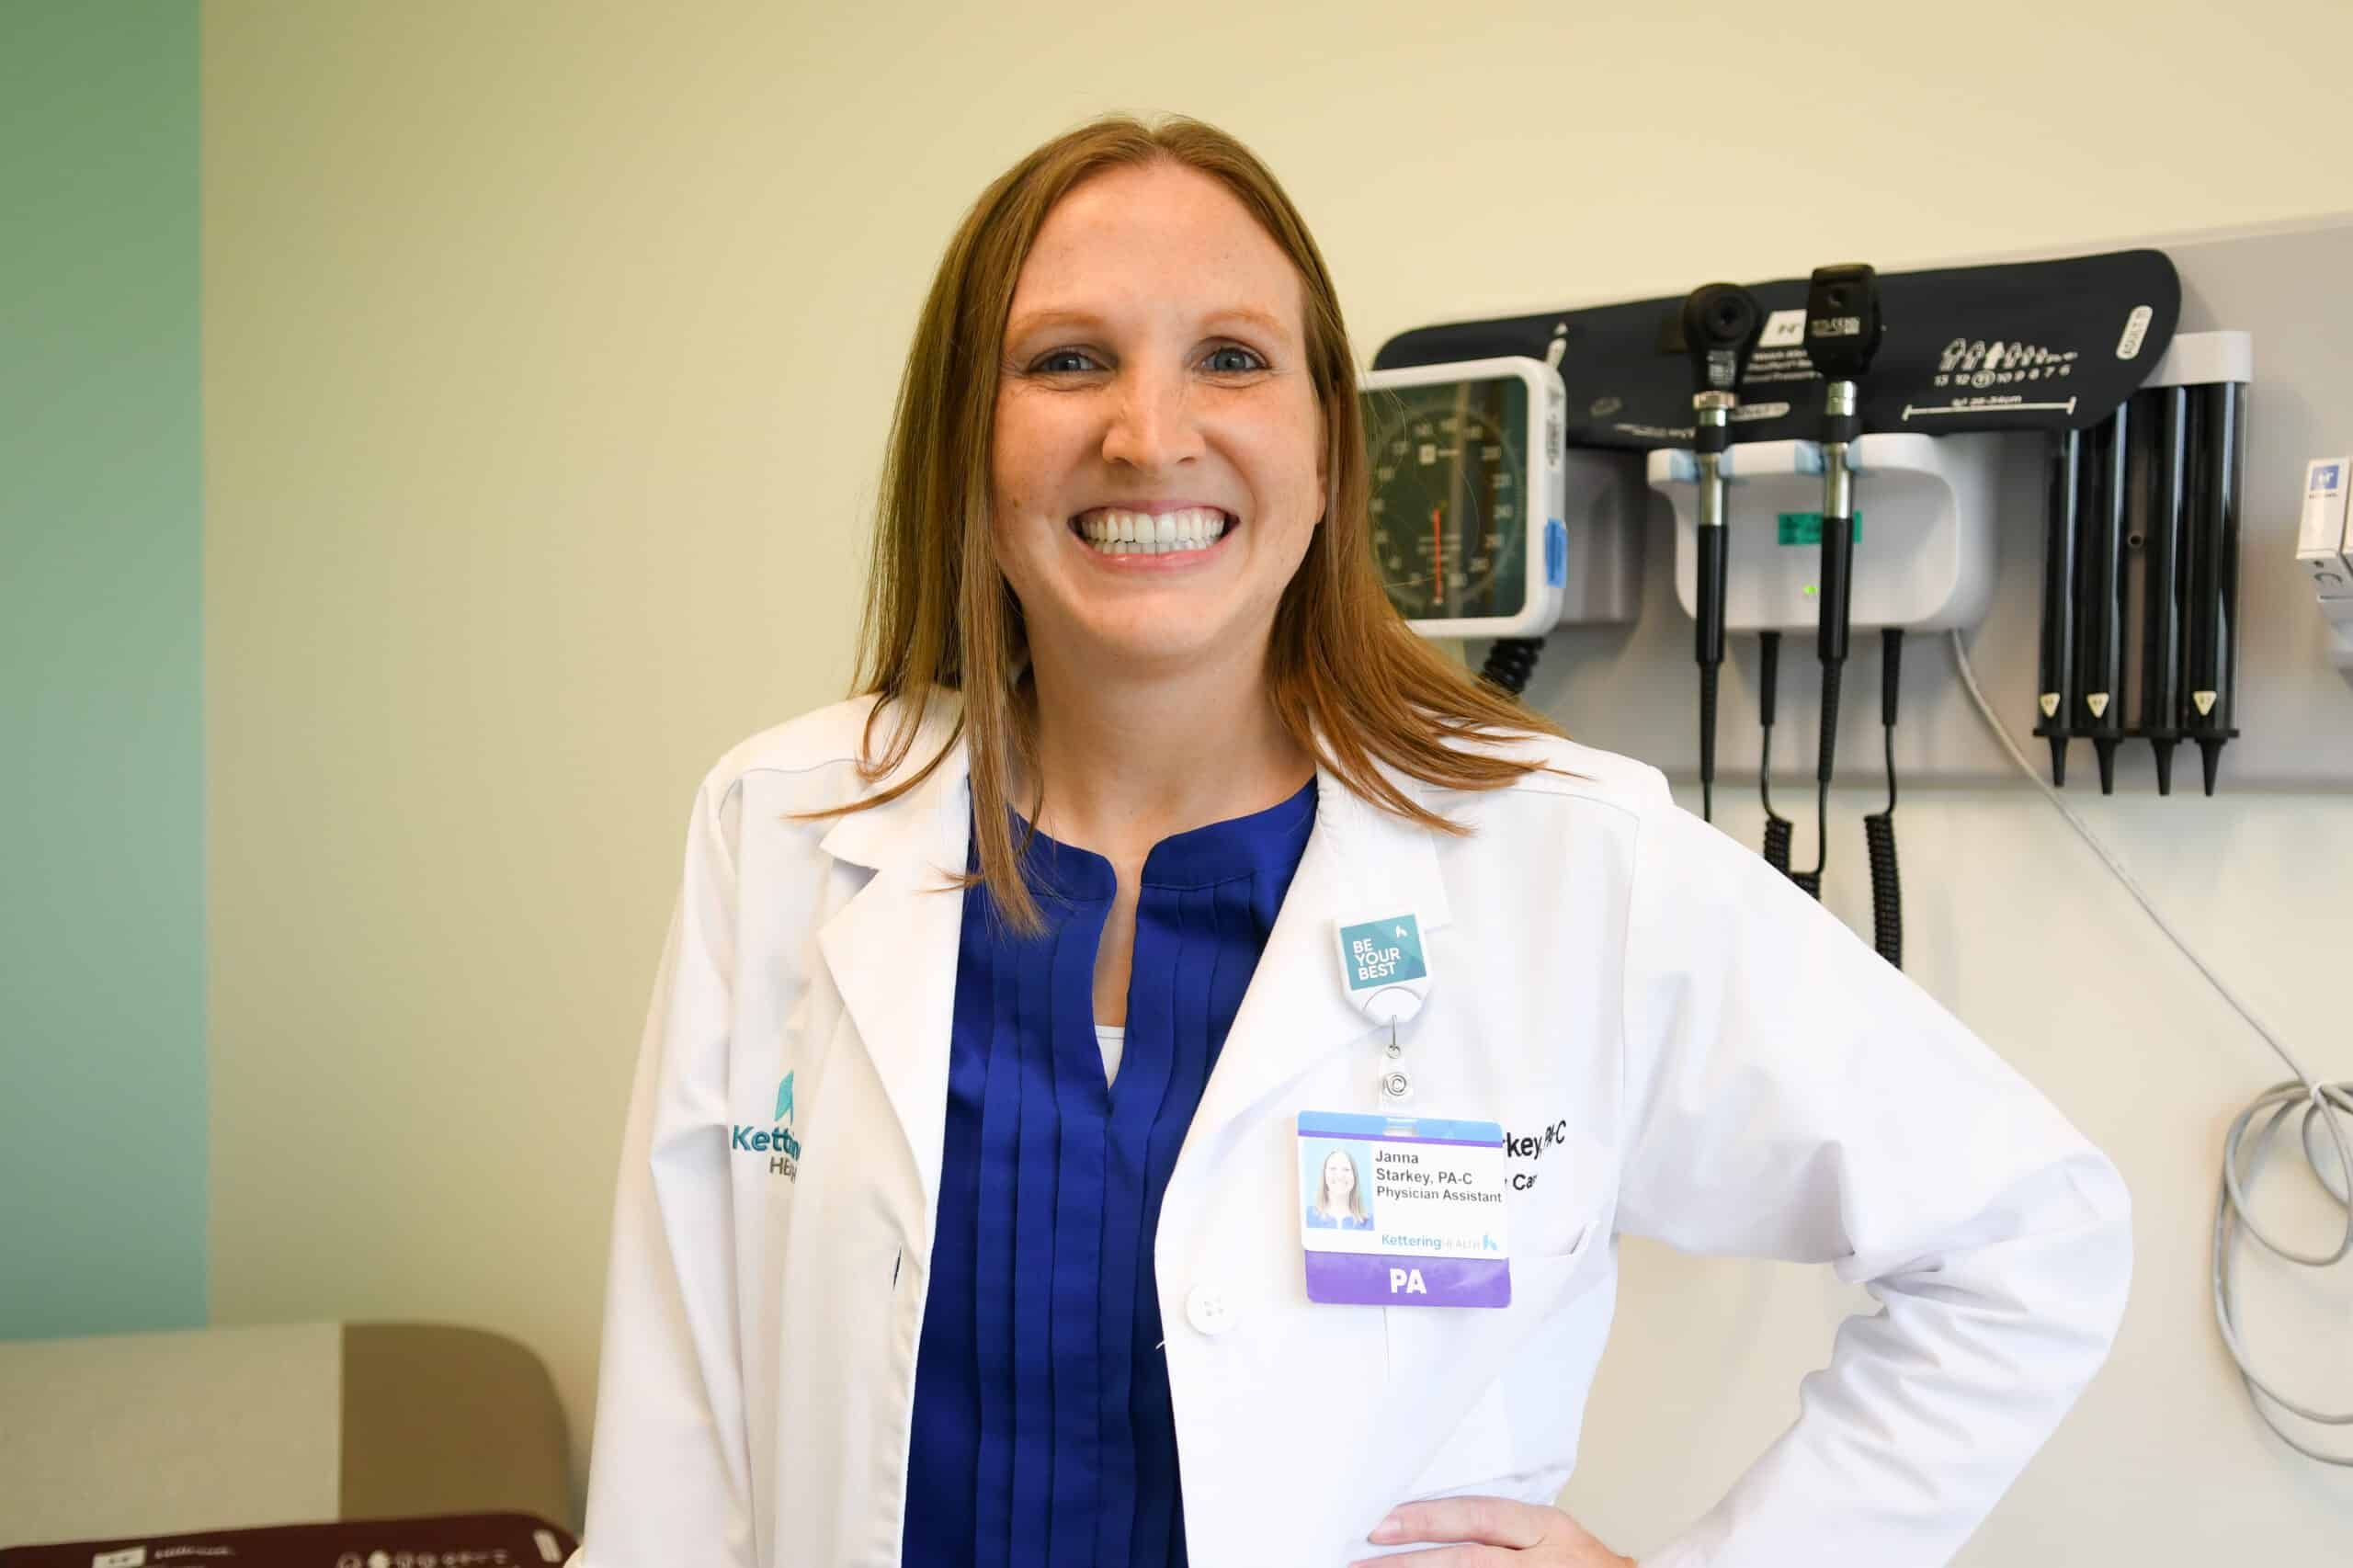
<point>1511,661</point>
<point>1887,891</point>
<point>1879,828</point>
<point>1777,829</point>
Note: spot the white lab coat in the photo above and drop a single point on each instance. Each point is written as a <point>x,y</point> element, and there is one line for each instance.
<point>1724,1065</point>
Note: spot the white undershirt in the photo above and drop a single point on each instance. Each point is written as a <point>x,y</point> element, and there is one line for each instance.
<point>1112,1038</point>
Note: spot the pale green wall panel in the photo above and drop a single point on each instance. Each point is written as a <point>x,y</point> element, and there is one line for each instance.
<point>102,1046</point>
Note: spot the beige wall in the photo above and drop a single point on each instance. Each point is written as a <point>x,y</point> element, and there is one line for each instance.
<point>548,350</point>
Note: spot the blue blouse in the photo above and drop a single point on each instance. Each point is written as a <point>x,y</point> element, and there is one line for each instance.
<point>1043,1433</point>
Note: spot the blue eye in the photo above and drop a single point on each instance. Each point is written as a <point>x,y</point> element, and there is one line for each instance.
<point>1253,361</point>
<point>1057,362</point>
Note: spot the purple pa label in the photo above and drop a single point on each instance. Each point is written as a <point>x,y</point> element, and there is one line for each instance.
<point>1368,1280</point>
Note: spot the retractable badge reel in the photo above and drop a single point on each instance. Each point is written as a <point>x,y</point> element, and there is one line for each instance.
<point>1388,977</point>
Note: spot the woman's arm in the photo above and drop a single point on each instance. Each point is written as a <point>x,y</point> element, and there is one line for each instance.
<point>1789,1094</point>
<point>669,1475</point>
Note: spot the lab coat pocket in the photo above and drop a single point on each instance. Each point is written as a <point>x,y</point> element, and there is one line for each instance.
<point>1539,1278</point>
<point>1446,1368</point>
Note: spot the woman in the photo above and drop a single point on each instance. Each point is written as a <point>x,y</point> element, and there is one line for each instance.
<point>1338,1203</point>
<point>910,1265</point>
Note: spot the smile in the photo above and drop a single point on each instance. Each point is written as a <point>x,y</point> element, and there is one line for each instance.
<point>1108,531</point>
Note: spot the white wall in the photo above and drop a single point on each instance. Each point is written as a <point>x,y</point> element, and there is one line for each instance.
<point>549,349</point>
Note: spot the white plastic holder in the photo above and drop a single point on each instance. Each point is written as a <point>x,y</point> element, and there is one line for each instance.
<point>2325,550</point>
<point>1924,555</point>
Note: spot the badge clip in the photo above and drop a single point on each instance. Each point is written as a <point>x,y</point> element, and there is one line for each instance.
<point>1384,970</point>
<point>1388,977</point>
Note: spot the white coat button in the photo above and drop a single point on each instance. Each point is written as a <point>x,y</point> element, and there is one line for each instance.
<point>1207,1309</point>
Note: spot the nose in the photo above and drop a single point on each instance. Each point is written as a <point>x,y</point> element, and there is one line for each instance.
<point>1151,427</point>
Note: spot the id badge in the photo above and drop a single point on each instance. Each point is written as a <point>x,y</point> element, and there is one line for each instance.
<point>1403,1212</point>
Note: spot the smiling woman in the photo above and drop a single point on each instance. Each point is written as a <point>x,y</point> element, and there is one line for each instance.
<point>1047,931</point>
<point>1133,332</point>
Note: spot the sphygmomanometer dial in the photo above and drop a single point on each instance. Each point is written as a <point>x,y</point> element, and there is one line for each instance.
<point>1449,515</point>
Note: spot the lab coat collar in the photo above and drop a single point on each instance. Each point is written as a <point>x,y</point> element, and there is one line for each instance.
<point>892,949</point>
<point>931,821</point>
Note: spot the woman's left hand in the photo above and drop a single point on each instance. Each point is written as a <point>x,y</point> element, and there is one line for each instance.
<point>1491,1532</point>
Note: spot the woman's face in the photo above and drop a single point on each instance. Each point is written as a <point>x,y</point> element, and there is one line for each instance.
<point>1158,464</point>
<point>1339,1177</point>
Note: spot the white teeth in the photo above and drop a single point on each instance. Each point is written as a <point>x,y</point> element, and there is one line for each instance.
<point>1115,532</point>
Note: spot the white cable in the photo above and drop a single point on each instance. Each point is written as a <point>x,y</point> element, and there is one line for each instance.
<point>2327,1104</point>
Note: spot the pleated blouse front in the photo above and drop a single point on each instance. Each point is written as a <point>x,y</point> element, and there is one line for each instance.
<point>1043,1433</point>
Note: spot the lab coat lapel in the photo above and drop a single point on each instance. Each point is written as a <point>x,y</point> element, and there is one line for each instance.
<point>892,949</point>
<point>1362,863</point>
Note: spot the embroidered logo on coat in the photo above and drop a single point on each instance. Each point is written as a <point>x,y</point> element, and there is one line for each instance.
<point>782,1149</point>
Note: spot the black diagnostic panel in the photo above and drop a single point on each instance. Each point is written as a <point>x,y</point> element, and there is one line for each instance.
<point>2012,345</point>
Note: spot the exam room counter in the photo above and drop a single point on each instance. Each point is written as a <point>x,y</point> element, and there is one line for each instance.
<point>124,1438</point>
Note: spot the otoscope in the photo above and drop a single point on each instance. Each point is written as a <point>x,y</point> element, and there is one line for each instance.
<point>2099,654</point>
<point>2057,670</point>
<point>1721,325</point>
<point>1843,329</point>
<point>2161,621</point>
<point>2212,635</point>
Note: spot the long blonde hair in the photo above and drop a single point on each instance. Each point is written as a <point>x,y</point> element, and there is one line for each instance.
<point>1348,681</point>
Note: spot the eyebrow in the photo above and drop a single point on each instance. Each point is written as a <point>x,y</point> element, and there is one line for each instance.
<point>1039,321</point>
<point>1251,316</point>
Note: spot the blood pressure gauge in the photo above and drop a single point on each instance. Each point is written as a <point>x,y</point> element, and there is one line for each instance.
<point>1467,491</point>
